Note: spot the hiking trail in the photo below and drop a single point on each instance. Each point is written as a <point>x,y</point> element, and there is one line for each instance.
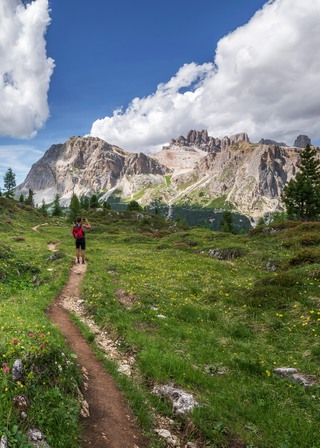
<point>106,419</point>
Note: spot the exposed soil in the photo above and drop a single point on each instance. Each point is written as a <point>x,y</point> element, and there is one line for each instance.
<point>110,422</point>
<point>36,228</point>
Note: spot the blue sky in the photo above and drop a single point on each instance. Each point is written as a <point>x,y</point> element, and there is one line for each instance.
<point>160,63</point>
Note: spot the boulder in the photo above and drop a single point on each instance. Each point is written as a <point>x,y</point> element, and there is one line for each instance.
<point>17,370</point>
<point>182,401</point>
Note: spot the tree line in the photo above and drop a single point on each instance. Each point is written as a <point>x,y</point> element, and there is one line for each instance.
<point>76,207</point>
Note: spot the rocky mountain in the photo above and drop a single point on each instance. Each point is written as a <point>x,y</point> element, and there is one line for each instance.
<point>267,141</point>
<point>201,140</point>
<point>85,166</point>
<point>248,177</point>
<point>302,141</point>
<point>197,170</point>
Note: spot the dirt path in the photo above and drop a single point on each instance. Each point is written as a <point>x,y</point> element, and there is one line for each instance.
<point>110,423</point>
<point>36,228</point>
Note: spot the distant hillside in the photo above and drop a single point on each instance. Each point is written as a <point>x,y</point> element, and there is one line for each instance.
<point>197,170</point>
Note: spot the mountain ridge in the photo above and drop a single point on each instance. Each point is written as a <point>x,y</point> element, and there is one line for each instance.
<point>193,170</point>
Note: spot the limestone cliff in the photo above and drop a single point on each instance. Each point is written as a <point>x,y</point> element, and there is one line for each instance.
<point>249,177</point>
<point>197,170</point>
<point>84,166</point>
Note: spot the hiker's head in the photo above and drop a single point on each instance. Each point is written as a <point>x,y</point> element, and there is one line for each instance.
<point>79,219</point>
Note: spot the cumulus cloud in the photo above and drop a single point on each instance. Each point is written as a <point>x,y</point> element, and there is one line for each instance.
<point>25,70</point>
<point>264,80</point>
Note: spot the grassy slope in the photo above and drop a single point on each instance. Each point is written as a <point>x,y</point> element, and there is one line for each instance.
<point>29,281</point>
<point>228,323</point>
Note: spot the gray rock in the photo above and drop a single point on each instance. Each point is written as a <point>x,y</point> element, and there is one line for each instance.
<point>305,380</point>
<point>37,439</point>
<point>295,375</point>
<point>285,371</point>
<point>182,401</point>
<point>125,369</point>
<point>266,141</point>
<point>270,267</point>
<point>3,442</point>
<point>225,254</point>
<point>21,401</point>
<point>163,433</point>
<point>55,256</point>
<point>17,370</point>
<point>302,141</point>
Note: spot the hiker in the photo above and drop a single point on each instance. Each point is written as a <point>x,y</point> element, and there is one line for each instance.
<point>78,233</point>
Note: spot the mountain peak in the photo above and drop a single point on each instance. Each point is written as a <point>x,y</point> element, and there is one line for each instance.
<point>201,140</point>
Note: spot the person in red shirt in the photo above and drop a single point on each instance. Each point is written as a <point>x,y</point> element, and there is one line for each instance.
<point>78,228</point>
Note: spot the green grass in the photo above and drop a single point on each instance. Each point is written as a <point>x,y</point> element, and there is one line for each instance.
<point>225,325</point>
<point>29,281</point>
<point>168,180</point>
<point>234,317</point>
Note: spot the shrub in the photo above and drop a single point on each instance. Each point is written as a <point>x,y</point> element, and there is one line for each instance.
<point>305,256</point>
<point>272,292</point>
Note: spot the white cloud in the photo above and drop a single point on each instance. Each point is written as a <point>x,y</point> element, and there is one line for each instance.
<point>19,158</point>
<point>264,81</point>
<point>25,70</point>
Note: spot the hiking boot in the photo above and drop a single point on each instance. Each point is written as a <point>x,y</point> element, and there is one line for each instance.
<point>78,260</point>
<point>83,262</point>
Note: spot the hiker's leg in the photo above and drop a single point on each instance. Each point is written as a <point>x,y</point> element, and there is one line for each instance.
<point>78,254</point>
<point>83,247</point>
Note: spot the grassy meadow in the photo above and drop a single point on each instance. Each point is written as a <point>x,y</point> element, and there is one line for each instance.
<point>210,312</point>
<point>29,281</point>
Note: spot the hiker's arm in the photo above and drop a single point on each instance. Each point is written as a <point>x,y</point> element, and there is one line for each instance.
<point>87,224</point>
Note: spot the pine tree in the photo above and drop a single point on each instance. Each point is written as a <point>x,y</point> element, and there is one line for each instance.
<point>94,201</point>
<point>301,195</point>
<point>227,222</point>
<point>134,206</point>
<point>75,208</point>
<point>29,199</point>
<point>84,203</point>
<point>106,205</point>
<point>43,208</point>
<point>57,210</point>
<point>9,182</point>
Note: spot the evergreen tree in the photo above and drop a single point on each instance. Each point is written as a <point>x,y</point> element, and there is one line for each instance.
<point>227,222</point>
<point>57,210</point>
<point>94,201</point>
<point>84,203</point>
<point>21,199</point>
<point>134,206</point>
<point>29,200</point>
<point>75,208</point>
<point>43,208</point>
<point>106,205</point>
<point>301,195</point>
<point>9,182</point>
